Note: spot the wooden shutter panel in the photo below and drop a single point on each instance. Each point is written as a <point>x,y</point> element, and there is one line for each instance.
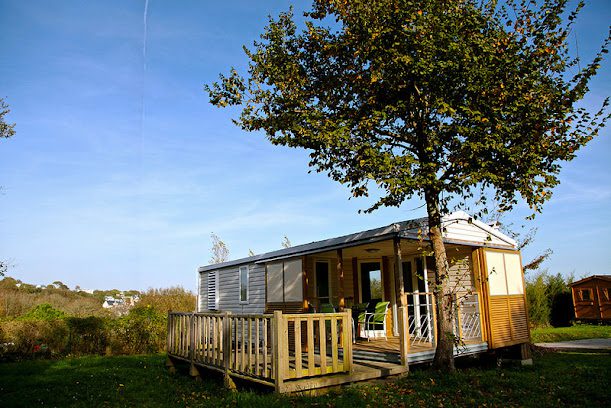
<point>213,290</point>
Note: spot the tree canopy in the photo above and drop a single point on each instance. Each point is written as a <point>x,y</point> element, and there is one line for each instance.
<point>6,129</point>
<point>422,95</point>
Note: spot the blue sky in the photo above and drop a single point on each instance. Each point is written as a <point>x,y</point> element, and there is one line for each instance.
<point>95,196</point>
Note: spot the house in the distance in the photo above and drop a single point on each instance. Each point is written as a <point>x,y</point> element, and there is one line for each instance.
<point>354,307</point>
<point>591,298</point>
<point>120,301</point>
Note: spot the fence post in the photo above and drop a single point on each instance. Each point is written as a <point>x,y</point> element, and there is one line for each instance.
<point>193,371</point>
<point>279,341</point>
<point>169,363</point>
<point>347,329</point>
<point>227,348</point>
<point>403,335</point>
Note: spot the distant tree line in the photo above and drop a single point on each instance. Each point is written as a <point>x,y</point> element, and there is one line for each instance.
<point>56,321</point>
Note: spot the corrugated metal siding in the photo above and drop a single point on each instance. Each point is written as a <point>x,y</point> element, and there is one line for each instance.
<point>229,291</point>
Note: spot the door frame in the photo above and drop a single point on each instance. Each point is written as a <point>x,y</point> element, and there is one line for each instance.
<point>315,279</point>
<point>360,272</point>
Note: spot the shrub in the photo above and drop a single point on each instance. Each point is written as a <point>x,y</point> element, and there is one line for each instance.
<point>549,300</point>
<point>142,330</point>
<point>31,337</point>
<point>538,303</point>
<point>44,311</point>
<point>87,335</point>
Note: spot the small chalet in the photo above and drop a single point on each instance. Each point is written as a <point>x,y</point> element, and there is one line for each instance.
<point>352,308</point>
<point>591,298</point>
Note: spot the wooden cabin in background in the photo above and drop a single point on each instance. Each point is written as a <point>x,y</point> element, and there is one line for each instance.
<point>293,318</point>
<point>591,298</point>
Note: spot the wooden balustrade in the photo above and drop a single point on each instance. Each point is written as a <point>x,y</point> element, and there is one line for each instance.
<point>315,344</point>
<point>269,348</point>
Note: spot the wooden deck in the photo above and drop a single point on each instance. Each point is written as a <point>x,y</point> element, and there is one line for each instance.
<point>300,352</point>
<point>388,350</point>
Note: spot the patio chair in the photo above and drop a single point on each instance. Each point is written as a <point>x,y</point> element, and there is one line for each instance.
<point>377,318</point>
<point>358,314</point>
<point>328,308</point>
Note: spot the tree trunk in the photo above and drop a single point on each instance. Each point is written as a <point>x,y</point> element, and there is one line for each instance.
<point>444,354</point>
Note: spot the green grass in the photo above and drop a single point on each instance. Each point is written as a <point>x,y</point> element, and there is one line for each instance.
<point>556,379</point>
<point>576,332</point>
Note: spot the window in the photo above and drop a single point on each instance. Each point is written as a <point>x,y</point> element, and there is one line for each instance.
<point>244,275</point>
<point>322,281</point>
<point>371,282</point>
<point>285,281</point>
<point>585,295</point>
<point>213,290</point>
<point>605,294</point>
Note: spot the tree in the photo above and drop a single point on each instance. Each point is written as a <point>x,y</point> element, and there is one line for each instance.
<point>6,130</point>
<point>220,252</point>
<point>445,101</point>
<point>286,243</point>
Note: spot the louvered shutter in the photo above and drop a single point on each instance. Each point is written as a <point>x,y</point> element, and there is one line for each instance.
<point>213,290</point>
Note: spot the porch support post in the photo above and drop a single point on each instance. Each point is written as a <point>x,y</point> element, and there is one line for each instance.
<point>340,277</point>
<point>401,303</point>
<point>304,272</point>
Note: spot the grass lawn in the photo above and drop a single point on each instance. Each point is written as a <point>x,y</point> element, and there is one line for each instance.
<point>576,332</point>
<point>556,379</point>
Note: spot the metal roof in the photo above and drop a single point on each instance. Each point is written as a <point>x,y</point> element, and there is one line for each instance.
<point>410,229</point>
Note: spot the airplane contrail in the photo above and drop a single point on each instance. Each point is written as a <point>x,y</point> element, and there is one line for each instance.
<point>142,108</point>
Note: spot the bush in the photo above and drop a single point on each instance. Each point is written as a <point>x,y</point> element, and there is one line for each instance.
<point>549,300</point>
<point>538,303</point>
<point>43,312</point>
<point>141,331</point>
<point>34,337</point>
<point>87,335</point>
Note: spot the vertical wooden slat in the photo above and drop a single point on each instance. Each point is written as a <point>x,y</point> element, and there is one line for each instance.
<point>243,347</point>
<point>237,345</point>
<point>219,350</point>
<point>298,362</point>
<point>347,328</point>
<point>226,323</point>
<point>310,336</point>
<point>334,345</point>
<point>265,371</point>
<point>257,348</point>
<point>249,345</point>
<point>322,344</point>
<point>168,340</point>
<point>278,350</point>
<point>206,339</point>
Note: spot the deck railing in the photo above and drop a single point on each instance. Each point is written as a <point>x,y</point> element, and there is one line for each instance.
<point>265,348</point>
<point>468,319</point>
<point>422,318</point>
